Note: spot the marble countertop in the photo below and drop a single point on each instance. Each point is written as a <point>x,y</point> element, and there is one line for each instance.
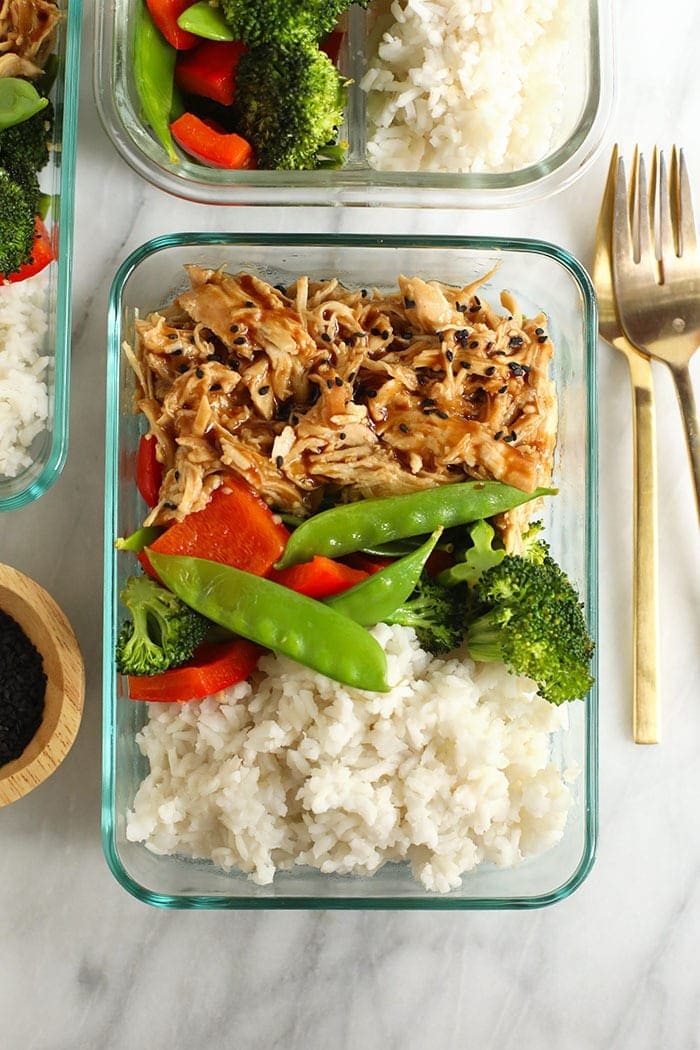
<point>83,966</point>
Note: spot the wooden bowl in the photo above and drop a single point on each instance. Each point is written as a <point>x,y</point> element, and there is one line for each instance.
<point>48,629</point>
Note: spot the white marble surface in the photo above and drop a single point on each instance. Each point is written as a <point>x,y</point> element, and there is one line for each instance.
<point>615,967</point>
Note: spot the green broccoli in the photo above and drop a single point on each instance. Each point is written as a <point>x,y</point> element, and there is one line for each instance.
<point>163,631</point>
<point>436,613</point>
<point>16,225</point>
<point>289,105</point>
<point>476,559</point>
<point>24,150</point>
<point>283,22</point>
<point>529,616</point>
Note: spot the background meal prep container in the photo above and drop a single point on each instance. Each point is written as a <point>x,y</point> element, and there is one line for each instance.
<point>587,107</point>
<point>541,276</point>
<point>57,179</point>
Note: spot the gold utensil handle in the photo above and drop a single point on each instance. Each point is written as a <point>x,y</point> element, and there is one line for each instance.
<point>645,716</point>
<point>686,399</point>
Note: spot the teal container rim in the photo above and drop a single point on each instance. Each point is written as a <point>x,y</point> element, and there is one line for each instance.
<point>590,315</point>
<point>62,347</point>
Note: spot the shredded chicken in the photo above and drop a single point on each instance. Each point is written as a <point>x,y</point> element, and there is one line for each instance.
<point>316,390</point>
<point>27,31</point>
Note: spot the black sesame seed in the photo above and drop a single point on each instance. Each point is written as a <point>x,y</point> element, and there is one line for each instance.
<point>177,475</point>
<point>474,308</point>
<point>454,468</point>
<point>541,338</point>
<point>477,300</point>
<point>363,293</point>
<point>441,414</point>
<point>375,331</point>
<point>498,435</point>
<point>338,381</point>
<point>490,370</point>
<point>403,428</point>
<point>371,393</point>
<point>465,364</point>
<point>515,340</point>
<point>234,327</point>
<point>342,435</point>
<point>539,331</point>
<point>170,506</point>
<point>474,345</point>
<point>264,390</point>
<point>329,384</point>
<point>240,340</point>
<point>325,336</point>
<point>279,461</point>
<point>176,351</point>
<point>216,386</point>
<point>502,389</point>
<point>516,368</point>
<point>428,401</point>
<point>449,355</point>
<point>183,368</point>
<point>281,288</point>
<point>409,303</point>
<point>408,334</point>
<point>351,377</point>
<point>488,347</point>
<point>199,373</point>
<point>249,304</point>
<point>461,308</point>
<point>173,335</point>
<point>234,365</point>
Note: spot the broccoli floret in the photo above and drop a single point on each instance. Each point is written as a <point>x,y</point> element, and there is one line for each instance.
<point>436,613</point>
<point>283,22</point>
<point>530,617</point>
<point>289,105</point>
<point>24,151</point>
<point>476,559</point>
<point>16,225</point>
<point>163,631</point>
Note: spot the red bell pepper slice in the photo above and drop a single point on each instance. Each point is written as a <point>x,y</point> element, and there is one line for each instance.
<point>165,14</point>
<point>319,578</point>
<point>210,144</point>
<point>213,667</point>
<point>42,254</point>
<point>235,528</point>
<point>149,471</point>
<point>209,70</point>
<point>332,44</point>
<point>367,563</point>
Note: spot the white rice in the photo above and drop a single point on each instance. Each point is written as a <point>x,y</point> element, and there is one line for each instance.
<point>467,85</point>
<point>23,393</point>
<point>448,770</point>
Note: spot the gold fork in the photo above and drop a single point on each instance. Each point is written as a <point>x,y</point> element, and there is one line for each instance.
<point>645,706</point>
<point>656,269</point>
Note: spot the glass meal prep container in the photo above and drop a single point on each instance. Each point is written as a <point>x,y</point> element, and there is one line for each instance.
<point>540,276</point>
<point>586,108</point>
<point>57,181</point>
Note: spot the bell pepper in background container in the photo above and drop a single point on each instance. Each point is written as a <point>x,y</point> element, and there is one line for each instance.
<point>209,70</point>
<point>210,144</point>
<point>149,472</point>
<point>165,14</point>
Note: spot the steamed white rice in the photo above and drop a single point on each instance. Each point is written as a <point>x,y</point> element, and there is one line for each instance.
<point>23,393</point>
<point>467,85</point>
<point>448,770</point>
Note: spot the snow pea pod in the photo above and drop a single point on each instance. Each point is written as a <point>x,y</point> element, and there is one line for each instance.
<point>278,618</point>
<point>154,72</point>
<point>357,526</point>
<point>206,21</point>
<point>383,592</point>
<point>19,100</point>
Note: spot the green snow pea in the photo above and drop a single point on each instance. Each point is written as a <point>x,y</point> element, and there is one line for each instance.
<point>206,21</point>
<point>19,100</point>
<point>154,73</point>
<point>358,526</point>
<point>383,592</point>
<point>278,618</point>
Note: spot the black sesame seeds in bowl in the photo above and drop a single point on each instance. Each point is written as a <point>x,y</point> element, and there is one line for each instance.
<point>42,684</point>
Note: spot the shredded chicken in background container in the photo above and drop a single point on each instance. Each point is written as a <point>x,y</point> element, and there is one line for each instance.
<point>317,390</point>
<point>27,31</point>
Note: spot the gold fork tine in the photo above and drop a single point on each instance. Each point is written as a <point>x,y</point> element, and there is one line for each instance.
<point>639,193</point>
<point>682,200</point>
<point>666,245</point>
<point>622,232</point>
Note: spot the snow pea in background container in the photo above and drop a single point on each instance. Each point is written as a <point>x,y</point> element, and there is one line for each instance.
<point>541,276</point>
<point>586,109</point>
<point>57,180</point>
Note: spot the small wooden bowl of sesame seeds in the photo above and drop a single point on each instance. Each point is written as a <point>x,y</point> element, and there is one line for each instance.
<point>33,626</point>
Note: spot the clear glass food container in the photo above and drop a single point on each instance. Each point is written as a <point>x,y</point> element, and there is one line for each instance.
<point>541,276</point>
<point>586,107</point>
<point>57,180</point>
